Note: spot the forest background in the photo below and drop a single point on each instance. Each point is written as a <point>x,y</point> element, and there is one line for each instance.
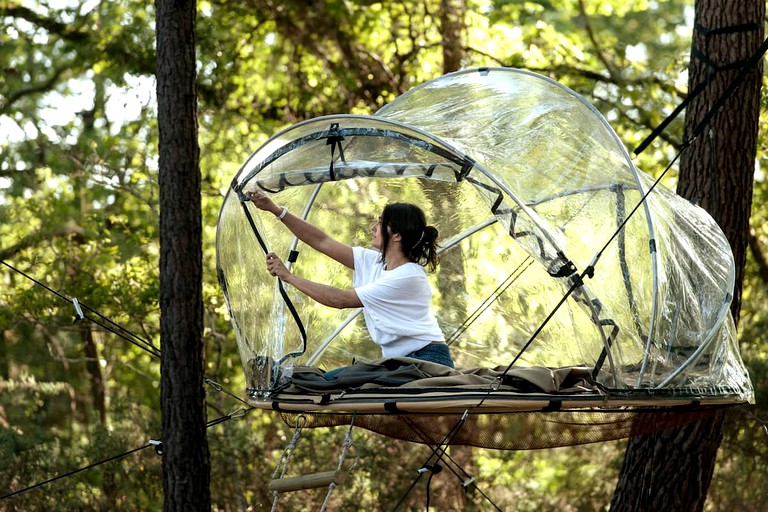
<point>79,213</point>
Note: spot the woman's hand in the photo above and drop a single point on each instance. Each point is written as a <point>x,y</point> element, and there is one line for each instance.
<point>322,293</point>
<point>263,201</point>
<point>276,267</point>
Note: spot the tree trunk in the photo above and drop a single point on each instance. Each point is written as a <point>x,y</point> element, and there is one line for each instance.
<point>452,15</point>
<point>717,171</point>
<point>96,378</point>
<point>672,470</point>
<point>186,459</point>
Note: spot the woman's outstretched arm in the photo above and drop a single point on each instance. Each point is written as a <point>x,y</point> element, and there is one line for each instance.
<point>322,293</point>
<point>304,231</point>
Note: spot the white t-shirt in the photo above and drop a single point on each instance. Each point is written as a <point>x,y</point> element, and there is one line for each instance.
<point>396,304</point>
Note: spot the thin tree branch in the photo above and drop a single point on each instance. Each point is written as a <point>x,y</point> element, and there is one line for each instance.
<point>598,51</point>
<point>758,254</point>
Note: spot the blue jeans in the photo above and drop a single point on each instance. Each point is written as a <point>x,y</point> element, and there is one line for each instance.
<point>434,353</point>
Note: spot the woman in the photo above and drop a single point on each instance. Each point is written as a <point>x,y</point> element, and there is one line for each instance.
<point>389,283</point>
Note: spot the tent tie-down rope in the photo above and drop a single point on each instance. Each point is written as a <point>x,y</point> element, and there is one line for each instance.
<point>76,471</point>
<point>500,289</point>
<point>281,483</point>
<point>440,453</point>
<point>156,443</point>
<point>118,330</point>
<point>747,66</point>
<point>102,321</point>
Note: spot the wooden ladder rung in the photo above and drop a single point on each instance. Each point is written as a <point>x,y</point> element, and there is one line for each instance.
<point>310,481</point>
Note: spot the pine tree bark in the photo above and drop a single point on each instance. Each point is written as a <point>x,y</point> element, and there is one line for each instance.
<point>672,470</point>
<point>452,19</point>
<point>717,171</point>
<point>186,458</point>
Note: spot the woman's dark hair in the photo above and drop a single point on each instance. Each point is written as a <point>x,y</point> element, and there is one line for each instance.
<point>418,240</point>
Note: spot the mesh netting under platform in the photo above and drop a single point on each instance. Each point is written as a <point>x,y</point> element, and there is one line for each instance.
<point>512,431</point>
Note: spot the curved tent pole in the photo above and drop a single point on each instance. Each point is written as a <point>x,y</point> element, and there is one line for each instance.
<point>333,335</point>
<point>648,220</point>
<point>724,310</point>
<point>437,146</point>
<point>304,215</point>
<point>595,312</point>
<point>576,191</point>
<point>618,190</point>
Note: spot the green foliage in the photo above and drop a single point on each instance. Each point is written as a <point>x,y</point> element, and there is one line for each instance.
<point>79,213</point>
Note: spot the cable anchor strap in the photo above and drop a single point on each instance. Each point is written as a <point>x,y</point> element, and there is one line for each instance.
<point>748,65</point>
<point>733,29</point>
<point>78,310</point>
<point>215,385</point>
<point>466,167</point>
<point>237,413</point>
<point>426,468</point>
<point>334,139</point>
<point>158,445</point>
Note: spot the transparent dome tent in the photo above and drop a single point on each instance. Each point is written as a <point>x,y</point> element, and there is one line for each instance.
<point>568,281</point>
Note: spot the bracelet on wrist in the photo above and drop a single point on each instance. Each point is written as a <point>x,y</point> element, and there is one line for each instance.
<point>283,213</point>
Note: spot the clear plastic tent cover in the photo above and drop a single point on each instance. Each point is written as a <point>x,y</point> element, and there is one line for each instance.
<point>530,189</point>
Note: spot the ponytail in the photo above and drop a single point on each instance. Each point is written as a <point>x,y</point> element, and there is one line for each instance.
<point>419,241</point>
<point>424,252</point>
